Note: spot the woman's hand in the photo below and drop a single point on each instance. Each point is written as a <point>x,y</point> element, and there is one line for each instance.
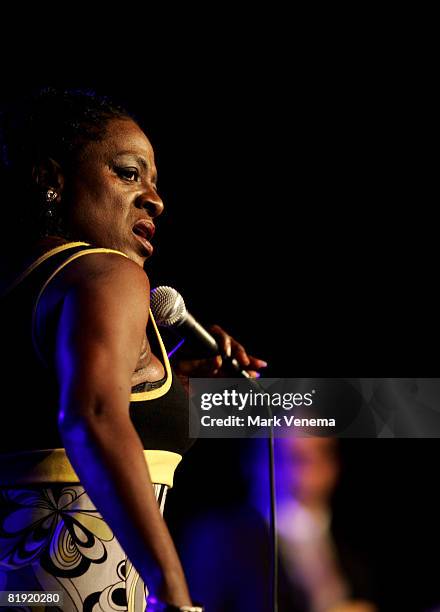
<point>215,366</point>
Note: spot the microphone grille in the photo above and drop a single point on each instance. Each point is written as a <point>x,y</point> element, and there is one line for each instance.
<point>167,306</point>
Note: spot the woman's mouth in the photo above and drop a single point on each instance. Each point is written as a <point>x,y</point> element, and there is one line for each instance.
<point>144,231</point>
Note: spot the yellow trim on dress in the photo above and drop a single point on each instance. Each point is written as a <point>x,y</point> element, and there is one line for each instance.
<point>155,393</point>
<point>53,466</point>
<point>40,260</point>
<point>134,397</point>
<point>68,260</point>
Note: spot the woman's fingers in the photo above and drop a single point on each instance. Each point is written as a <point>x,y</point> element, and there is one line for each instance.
<point>232,348</point>
<point>257,363</point>
<point>229,347</point>
<point>223,339</point>
<point>199,367</point>
<point>253,374</point>
<point>239,352</point>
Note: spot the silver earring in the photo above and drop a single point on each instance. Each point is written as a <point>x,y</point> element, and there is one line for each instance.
<point>51,195</point>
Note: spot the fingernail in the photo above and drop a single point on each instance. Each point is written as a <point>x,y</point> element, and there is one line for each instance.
<point>263,364</point>
<point>228,350</point>
<point>258,375</point>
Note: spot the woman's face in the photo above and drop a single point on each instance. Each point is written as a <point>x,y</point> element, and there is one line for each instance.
<point>111,192</point>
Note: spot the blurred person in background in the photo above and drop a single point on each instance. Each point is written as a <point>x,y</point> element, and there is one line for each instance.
<point>323,568</point>
<point>226,551</point>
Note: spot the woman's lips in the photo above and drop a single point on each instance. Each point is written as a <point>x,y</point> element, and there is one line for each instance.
<point>144,230</point>
<point>145,243</point>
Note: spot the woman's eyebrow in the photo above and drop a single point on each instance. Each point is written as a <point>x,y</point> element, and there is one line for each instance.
<point>141,160</point>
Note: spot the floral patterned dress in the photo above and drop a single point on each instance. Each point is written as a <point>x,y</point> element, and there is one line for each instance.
<point>54,539</point>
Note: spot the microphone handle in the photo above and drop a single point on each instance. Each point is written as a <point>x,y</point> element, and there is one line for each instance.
<point>190,324</point>
<point>209,342</point>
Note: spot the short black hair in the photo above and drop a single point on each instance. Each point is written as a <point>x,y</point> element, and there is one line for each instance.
<point>54,123</point>
<point>49,123</point>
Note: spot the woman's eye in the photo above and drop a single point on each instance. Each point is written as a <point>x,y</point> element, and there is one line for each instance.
<point>129,174</point>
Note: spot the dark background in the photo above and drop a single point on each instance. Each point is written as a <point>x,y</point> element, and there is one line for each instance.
<point>297,218</point>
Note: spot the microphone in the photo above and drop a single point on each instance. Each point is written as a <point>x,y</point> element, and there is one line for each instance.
<point>169,310</point>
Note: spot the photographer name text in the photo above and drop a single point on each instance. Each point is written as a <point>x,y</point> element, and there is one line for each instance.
<point>257,421</point>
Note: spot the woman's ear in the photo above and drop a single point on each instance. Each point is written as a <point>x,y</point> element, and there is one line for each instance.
<point>47,174</point>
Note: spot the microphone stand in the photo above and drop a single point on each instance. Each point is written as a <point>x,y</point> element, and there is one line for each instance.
<point>236,370</point>
<point>233,368</point>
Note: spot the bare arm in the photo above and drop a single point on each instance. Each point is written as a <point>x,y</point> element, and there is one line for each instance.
<point>100,330</point>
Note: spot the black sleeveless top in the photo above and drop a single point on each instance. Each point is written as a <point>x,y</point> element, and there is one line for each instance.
<point>29,394</point>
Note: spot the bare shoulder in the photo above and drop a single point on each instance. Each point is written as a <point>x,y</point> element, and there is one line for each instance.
<point>102,281</point>
<point>102,269</point>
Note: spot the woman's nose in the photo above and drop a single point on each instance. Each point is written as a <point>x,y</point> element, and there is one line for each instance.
<point>152,203</point>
